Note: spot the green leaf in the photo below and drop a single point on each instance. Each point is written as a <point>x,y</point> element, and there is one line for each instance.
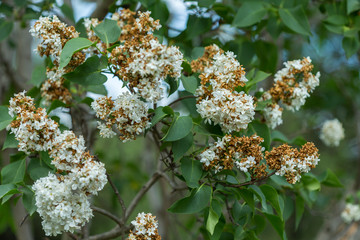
<point>350,46</point>
<point>180,128</point>
<point>295,19</point>
<point>248,196</point>
<point>38,75</point>
<point>5,118</point>
<point>197,201</point>
<point>56,104</point>
<point>255,189</point>
<point>207,4</point>
<point>190,83</point>
<point>28,200</point>
<point>277,223</point>
<point>197,52</point>
<point>310,182</point>
<point>158,116</point>
<point>259,76</point>
<point>98,89</point>
<point>180,147</point>
<point>273,197</point>
<point>72,46</point>
<point>10,141</point>
<point>37,169</point>
<point>173,84</point>
<point>68,12</point>
<point>7,189</point>
<point>299,210</point>
<point>212,220</point>
<point>89,73</point>
<point>352,5</point>
<point>279,136</point>
<point>5,29</point>
<point>262,130</point>
<point>330,179</point>
<point>108,31</point>
<point>249,13</point>
<point>14,172</point>
<point>191,171</point>
<point>197,26</point>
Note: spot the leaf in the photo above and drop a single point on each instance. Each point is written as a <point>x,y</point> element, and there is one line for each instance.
<point>273,197</point>
<point>262,130</point>
<point>29,200</point>
<point>5,29</point>
<point>180,127</point>
<point>299,210</point>
<point>108,31</point>
<point>7,189</point>
<point>89,73</point>
<point>207,4</point>
<point>5,118</point>
<point>191,171</point>
<point>197,201</point>
<point>279,136</point>
<point>248,196</point>
<point>197,26</point>
<point>295,19</point>
<point>212,220</point>
<point>38,75</point>
<point>68,12</point>
<point>352,5</point>
<point>37,170</point>
<point>277,223</point>
<point>72,46</point>
<point>249,13</point>
<point>331,180</point>
<point>10,141</point>
<point>197,52</point>
<point>190,83</point>
<point>180,147</point>
<point>158,116</point>
<point>14,172</point>
<point>259,76</point>
<point>56,104</point>
<point>173,84</point>
<point>98,89</point>
<point>350,46</point>
<point>310,182</point>
<point>255,189</point>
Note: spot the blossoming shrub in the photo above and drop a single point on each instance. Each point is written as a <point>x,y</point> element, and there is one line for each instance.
<point>234,169</point>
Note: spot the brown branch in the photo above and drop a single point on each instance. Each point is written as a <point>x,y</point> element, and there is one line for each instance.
<point>113,233</point>
<point>180,99</point>
<point>247,183</point>
<point>140,194</point>
<point>102,9</point>
<point>120,200</point>
<point>109,215</point>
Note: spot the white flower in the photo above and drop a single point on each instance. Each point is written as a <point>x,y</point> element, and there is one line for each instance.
<point>332,132</point>
<point>273,115</point>
<point>351,213</point>
<point>145,226</point>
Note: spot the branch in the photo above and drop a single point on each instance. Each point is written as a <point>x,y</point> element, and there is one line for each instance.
<point>109,215</point>
<point>102,9</point>
<point>249,182</point>
<point>120,200</point>
<point>140,194</point>
<point>115,232</point>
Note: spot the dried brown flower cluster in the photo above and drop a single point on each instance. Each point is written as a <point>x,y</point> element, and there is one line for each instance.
<point>243,152</point>
<point>141,60</point>
<point>205,61</point>
<point>290,162</point>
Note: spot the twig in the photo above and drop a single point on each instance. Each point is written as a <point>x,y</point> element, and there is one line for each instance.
<point>109,215</point>
<point>180,99</point>
<point>24,219</point>
<point>113,233</point>
<point>72,236</point>
<point>140,194</point>
<point>247,183</point>
<point>121,201</point>
<point>229,213</point>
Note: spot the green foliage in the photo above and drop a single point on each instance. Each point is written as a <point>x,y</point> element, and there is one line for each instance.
<point>180,128</point>
<point>191,171</point>
<point>249,13</point>
<point>108,31</point>
<point>72,46</point>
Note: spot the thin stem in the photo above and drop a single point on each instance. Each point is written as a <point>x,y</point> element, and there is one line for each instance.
<point>180,99</point>
<point>120,200</point>
<point>109,215</point>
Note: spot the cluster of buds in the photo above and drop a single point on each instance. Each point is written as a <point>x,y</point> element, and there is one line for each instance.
<point>217,98</point>
<point>145,227</point>
<point>62,198</point>
<point>54,34</point>
<point>290,162</point>
<point>127,112</point>
<point>141,60</point>
<point>243,152</point>
<point>292,85</point>
<point>332,132</point>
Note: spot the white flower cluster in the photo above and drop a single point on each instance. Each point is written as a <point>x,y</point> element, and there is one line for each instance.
<point>223,105</point>
<point>61,200</point>
<point>332,132</point>
<point>231,110</point>
<point>145,227</point>
<point>351,213</point>
<point>128,113</point>
<point>245,152</point>
<point>273,115</point>
<point>60,208</point>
